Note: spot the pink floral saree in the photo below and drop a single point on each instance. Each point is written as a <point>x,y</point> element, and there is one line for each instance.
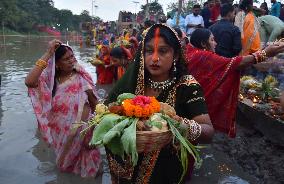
<point>59,119</point>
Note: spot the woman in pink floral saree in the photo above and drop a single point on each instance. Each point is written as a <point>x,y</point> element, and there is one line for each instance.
<point>63,96</point>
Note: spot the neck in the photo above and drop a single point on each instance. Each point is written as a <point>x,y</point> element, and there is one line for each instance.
<point>64,73</point>
<point>226,18</point>
<point>160,78</point>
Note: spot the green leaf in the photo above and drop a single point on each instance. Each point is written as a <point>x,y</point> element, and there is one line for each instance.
<point>155,123</point>
<point>116,131</point>
<point>107,122</point>
<point>124,96</point>
<point>116,147</point>
<point>128,140</point>
<point>185,145</point>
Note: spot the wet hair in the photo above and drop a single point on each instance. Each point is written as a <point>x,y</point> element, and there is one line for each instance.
<point>117,52</point>
<point>59,53</point>
<point>199,37</point>
<point>171,39</point>
<point>226,9</point>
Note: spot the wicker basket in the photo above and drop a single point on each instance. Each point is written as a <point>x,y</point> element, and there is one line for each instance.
<point>148,141</point>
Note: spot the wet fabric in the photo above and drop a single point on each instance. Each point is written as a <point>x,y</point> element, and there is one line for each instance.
<point>59,119</point>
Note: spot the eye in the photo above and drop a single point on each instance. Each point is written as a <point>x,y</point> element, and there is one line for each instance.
<point>149,51</point>
<point>163,51</point>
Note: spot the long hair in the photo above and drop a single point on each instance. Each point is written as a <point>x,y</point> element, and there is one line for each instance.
<point>173,41</point>
<point>59,53</point>
<point>200,37</point>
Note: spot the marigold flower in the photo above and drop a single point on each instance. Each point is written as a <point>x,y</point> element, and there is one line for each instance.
<point>141,106</point>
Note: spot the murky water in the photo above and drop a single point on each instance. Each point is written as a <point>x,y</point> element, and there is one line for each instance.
<point>25,159</point>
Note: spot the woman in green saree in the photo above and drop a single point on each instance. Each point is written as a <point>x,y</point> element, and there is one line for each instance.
<point>159,70</point>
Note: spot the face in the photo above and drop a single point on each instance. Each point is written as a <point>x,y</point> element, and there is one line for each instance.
<point>196,11</point>
<point>66,63</point>
<point>217,2</point>
<point>115,61</point>
<point>158,68</point>
<point>232,15</point>
<point>212,43</point>
<point>211,3</point>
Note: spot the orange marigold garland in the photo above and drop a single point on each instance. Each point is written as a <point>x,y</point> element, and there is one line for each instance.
<point>141,106</point>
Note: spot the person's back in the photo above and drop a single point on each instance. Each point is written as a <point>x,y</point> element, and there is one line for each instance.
<point>227,35</point>
<point>271,28</point>
<point>205,13</point>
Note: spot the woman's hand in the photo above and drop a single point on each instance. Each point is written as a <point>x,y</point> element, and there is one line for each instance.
<point>274,49</point>
<point>53,45</point>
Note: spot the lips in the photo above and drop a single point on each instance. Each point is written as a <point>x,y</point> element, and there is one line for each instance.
<point>154,67</point>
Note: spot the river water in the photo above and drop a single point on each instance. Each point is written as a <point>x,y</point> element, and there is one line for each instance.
<point>25,158</point>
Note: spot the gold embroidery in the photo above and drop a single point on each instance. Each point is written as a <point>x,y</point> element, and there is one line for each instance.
<point>195,99</point>
<point>187,80</point>
<point>120,171</point>
<point>147,167</point>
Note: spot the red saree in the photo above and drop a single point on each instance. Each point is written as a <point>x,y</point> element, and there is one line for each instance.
<point>220,80</point>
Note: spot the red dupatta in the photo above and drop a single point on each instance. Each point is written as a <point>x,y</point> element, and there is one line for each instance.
<point>220,80</point>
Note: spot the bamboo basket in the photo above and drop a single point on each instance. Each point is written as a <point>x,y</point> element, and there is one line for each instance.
<point>148,141</point>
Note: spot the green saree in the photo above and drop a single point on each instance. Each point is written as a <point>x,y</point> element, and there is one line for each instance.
<point>163,166</point>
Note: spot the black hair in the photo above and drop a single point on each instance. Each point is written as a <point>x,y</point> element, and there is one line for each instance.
<point>117,52</point>
<point>206,3</point>
<point>196,6</point>
<point>179,32</point>
<point>246,5</point>
<point>59,53</point>
<point>226,9</point>
<point>148,23</point>
<point>199,37</point>
<point>171,39</point>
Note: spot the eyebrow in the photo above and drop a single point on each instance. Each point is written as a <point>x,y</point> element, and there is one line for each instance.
<point>160,47</point>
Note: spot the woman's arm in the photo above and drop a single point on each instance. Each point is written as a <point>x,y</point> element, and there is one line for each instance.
<point>31,80</point>
<point>207,130</point>
<point>93,101</point>
<point>271,50</point>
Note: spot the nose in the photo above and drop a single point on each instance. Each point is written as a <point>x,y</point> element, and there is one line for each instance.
<point>155,59</point>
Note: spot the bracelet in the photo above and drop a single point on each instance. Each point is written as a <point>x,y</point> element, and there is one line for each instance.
<point>41,63</point>
<point>259,56</point>
<point>194,129</point>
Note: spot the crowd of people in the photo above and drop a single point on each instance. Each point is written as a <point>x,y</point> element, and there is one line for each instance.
<point>196,68</point>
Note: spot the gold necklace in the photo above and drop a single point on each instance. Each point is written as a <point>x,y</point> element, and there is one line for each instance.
<point>69,76</point>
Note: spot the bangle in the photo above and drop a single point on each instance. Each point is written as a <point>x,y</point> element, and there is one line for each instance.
<point>259,56</point>
<point>41,63</point>
<point>194,129</point>
<point>263,55</point>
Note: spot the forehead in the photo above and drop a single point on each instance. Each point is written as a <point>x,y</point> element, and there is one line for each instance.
<point>68,53</point>
<point>161,43</point>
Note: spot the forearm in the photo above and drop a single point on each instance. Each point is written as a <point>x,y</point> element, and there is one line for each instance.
<point>246,62</point>
<point>33,76</point>
<point>203,124</point>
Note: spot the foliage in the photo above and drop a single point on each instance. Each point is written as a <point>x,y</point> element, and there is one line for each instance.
<point>23,16</point>
<point>155,8</point>
<point>186,8</point>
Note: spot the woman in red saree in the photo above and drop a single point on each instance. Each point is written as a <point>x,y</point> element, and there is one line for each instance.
<point>105,72</point>
<point>220,77</point>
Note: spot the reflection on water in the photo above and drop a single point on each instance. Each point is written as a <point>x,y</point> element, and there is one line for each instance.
<point>23,154</point>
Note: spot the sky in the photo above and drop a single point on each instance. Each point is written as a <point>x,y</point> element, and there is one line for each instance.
<point>107,9</point>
